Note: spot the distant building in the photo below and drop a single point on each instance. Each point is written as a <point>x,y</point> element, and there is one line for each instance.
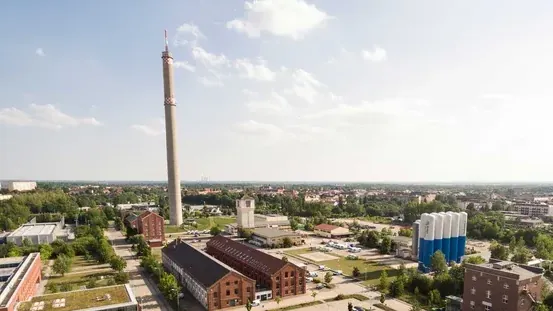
<point>214,284</point>
<point>152,227</point>
<point>501,285</point>
<point>263,221</point>
<point>534,209</point>
<point>273,237</point>
<point>4,197</point>
<point>20,186</point>
<point>245,208</point>
<point>331,231</point>
<point>274,277</point>
<point>40,233</point>
<point>19,279</point>
<point>415,240</point>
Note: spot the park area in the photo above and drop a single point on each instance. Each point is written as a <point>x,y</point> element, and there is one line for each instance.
<point>78,300</point>
<point>370,270</point>
<point>201,224</point>
<point>84,273</point>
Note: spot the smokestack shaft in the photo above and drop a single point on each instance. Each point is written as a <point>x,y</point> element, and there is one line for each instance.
<point>173,177</point>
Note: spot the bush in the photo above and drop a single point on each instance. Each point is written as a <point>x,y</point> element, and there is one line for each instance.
<point>121,278</point>
<point>66,287</point>
<point>91,283</point>
<point>316,280</point>
<point>340,297</point>
<point>111,282</point>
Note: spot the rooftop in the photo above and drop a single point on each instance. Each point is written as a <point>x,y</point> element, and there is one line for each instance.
<point>34,229</point>
<point>258,260</point>
<point>89,299</point>
<point>273,233</point>
<point>326,227</point>
<point>199,265</point>
<point>521,272</point>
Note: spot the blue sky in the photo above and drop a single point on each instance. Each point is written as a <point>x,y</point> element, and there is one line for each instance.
<point>278,90</point>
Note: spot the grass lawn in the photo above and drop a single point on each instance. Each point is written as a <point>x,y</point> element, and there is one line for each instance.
<point>370,271</point>
<point>208,223</point>
<point>156,252</point>
<point>81,299</point>
<point>202,224</point>
<point>298,252</point>
<point>73,281</point>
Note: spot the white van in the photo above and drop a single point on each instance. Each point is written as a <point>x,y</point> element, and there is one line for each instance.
<point>256,303</point>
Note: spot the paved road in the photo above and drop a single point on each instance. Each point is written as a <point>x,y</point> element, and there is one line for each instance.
<point>144,289</point>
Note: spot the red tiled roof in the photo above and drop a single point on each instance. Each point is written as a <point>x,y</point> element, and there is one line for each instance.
<point>326,227</point>
<point>258,260</point>
<point>148,213</point>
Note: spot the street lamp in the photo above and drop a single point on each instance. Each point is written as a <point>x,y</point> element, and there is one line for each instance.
<point>178,298</point>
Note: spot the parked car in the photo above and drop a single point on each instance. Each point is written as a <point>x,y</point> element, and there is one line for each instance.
<point>337,272</point>
<point>313,274</point>
<point>320,286</point>
<point>309,279</point>
<point>256,303</point>
<point>357,308</point>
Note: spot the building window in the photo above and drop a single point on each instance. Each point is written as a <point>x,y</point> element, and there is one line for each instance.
<point>487,308</point>
<point>292,274</point>
<point>505,299</point>
<point>474,278</point>
<point>228,283</point>
<point>286,292</point>
<point>228,292</point>
<point>285,274</point>
<point>489,282</point>
<point>506,286</point>
<point>286,283</point>
<point>248,289</point>
<point>488,294</point>
<point>473,291</point>
<point>235,282</point>
<point>215,295</point>
<point>472,304</point>
<point>236,291</point>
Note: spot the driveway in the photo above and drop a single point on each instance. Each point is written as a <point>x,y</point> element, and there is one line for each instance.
<point>145,290</point>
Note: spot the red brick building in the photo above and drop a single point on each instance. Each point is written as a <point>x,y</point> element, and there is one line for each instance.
<point>22,276</point>
<point>214,284</point>
<point>270,273</point>
<point>152,227</point>
<point>501,285</point>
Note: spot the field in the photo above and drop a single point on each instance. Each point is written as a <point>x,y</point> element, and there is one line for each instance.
<point>81,299</point>
<point>202,224</point>
<point>76,280</point>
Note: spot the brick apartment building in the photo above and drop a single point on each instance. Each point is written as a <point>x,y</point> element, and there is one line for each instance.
<point>271,274</point>
<point>214,284</point>
<point>152,227</point>
<point>501,285</point>
<point>20,276</point>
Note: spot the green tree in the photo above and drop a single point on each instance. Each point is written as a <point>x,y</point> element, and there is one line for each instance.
<point>355,272</point>
<point>438,263</point>
<point>169,286</point>
<point>544,246</point>
<point>46,251</point>
<point>314,295</point>
<point>434,298</point>
<point>215,230</point>
<point>397,287</point>
<point>350,306</point>
<point>522,255</point>
<point>415,307</point>
<point>384,282</point>
<point>540,307</point>
<point>382,298</point>
<point>475,260</point>
<point>328,277</point>
<point>249,305</point>
<point>62,264</point>
<point>287,242</point>
<point>284,258</point>
<point>513,245</point>
<point>385,245</point>
<point>117,263</point>
<point>499,251</point>
<point>278,300</point>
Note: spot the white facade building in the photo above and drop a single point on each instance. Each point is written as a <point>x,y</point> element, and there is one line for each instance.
<point>534,209</point>
<point>245,208</point>
<point>21,185</point>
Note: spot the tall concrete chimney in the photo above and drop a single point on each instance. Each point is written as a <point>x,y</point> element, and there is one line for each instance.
<point>173,178</point>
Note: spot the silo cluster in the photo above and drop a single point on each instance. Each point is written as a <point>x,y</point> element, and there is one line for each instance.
<point>441,231</point>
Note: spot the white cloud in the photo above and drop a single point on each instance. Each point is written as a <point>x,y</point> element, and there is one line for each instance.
<point>275,104</point>
<point>285,18</point>
<point>254,71</point>
<point>155,127</point>
<point>190,29</point>
<point>209,59</point>
<point>46,116</point>
<point>306,86</point>
<point>210,81</point>
<point>40,52</point>
<point>376,55</point>
<point>184,65</point>
<point>498,96</point>
<point>263,130</point>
